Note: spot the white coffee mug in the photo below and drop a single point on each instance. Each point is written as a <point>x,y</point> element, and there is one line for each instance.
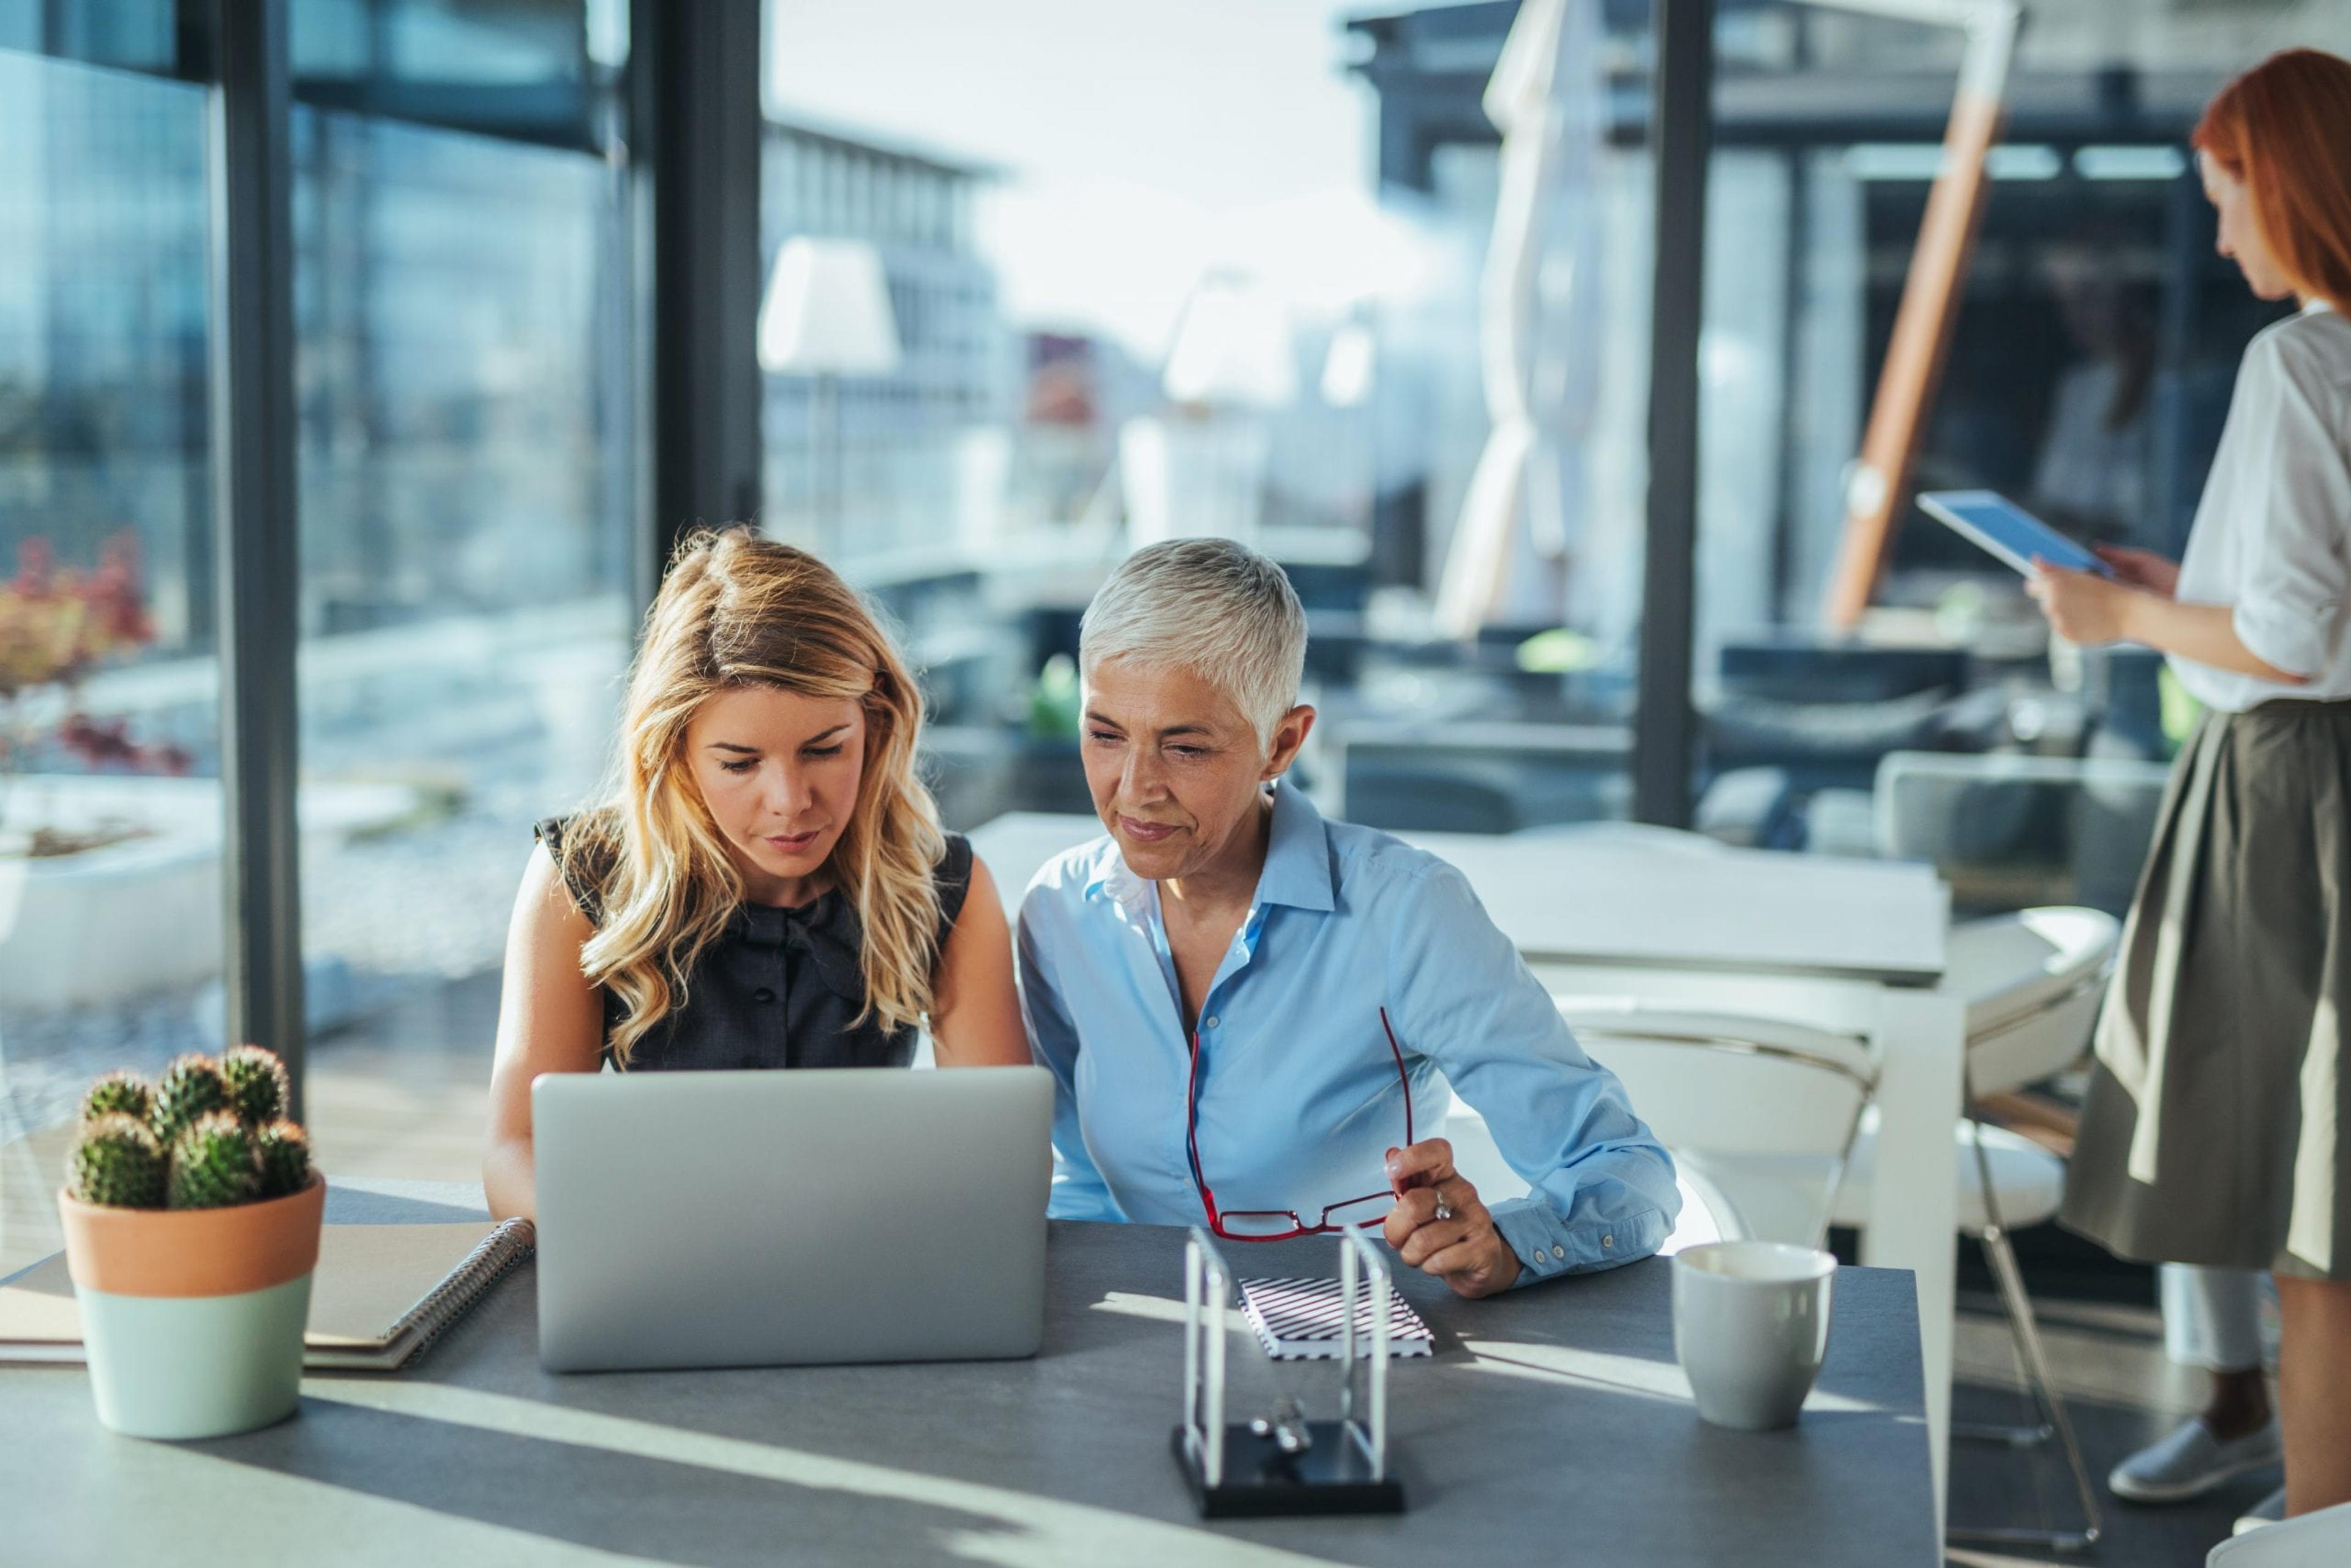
<point>1750,1326</point>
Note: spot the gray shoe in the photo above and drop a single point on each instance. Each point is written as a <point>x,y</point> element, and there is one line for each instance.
<point>2271,1510</point>
<point>2191,1462</point>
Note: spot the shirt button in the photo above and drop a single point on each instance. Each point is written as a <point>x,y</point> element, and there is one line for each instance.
<point>1560,1253</point>
<point>763,994</point>
<point>1608,1241</point>
<point>1209,1022</point>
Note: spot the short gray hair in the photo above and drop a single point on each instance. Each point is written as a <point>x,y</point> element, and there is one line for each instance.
<point>1211,606</point>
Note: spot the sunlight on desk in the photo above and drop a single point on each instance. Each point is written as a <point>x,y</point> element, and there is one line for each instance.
<point>1036,1532</point>
<point>1161,1309</point>
<point>1614,1374</point>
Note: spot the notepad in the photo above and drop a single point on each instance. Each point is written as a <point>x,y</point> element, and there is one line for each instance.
<point>380,1295</point>
<point>1301,1320</point>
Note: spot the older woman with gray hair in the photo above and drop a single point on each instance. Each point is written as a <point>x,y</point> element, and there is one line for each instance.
<point>1246,1008</point>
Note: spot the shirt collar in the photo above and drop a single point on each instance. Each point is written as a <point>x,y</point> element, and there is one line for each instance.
<point>1297,870</point>
<point>2318,306</point>
<point>1297,854</point>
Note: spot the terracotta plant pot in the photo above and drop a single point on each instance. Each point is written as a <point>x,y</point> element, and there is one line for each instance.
<point>192,1318</point>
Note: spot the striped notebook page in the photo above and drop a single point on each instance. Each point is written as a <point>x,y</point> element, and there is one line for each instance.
<point>1300,1319</point>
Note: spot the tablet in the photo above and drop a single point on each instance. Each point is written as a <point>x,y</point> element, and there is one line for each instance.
<point>1998,525</point>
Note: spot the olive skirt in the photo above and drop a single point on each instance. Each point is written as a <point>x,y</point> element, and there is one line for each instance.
<point>2213,1132</point>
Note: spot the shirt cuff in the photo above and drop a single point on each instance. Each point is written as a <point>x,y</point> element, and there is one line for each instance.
<point>2292,640</point>
<point>1548,1246</point>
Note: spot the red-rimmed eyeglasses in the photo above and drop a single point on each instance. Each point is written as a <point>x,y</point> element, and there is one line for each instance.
<point>1281,1224</point>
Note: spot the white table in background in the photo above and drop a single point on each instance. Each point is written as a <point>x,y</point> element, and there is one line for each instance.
<point>1845,945</point>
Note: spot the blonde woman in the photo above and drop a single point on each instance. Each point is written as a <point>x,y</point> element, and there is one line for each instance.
<point>768,886</point>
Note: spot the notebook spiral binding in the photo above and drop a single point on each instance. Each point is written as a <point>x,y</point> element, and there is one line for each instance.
<point>514,1240</point>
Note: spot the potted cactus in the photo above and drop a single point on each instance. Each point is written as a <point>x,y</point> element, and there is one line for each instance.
<point>191,1222</point>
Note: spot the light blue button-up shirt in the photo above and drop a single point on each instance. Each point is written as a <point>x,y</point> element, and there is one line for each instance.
<point>1299,1094</point>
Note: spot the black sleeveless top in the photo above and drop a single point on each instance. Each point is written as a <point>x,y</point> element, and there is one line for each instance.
<point>777,987</point>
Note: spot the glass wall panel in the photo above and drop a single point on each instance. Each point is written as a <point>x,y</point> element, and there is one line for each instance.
<point>110,797</point>
<point>123,35</point>
<point>521,69</point>
<point>2094,336</point>
<point>1238,293</point>
<point>467,484</point>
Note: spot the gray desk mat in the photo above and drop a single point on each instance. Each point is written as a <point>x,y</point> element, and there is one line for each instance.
<point>1550,1428</point>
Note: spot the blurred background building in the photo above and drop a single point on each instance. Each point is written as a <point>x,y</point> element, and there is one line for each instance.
<point>916,442</point>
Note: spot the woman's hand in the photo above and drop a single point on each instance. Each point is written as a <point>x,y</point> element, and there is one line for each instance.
<point>1465,1250</point>
<point>2143,569</point>
<point>2087,609</point>
<point>2083,608</point>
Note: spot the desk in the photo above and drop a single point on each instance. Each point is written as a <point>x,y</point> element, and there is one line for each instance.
<point>1552,1426</point>
<point>1852,946</point>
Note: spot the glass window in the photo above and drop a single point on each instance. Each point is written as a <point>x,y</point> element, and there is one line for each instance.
<point>825,216</point>
<point>122,35</point>
<point>110,766</point>
<point>2095,338</point>
<point>1131,332</point>
<point>516,68</point>
<point>468,514</point>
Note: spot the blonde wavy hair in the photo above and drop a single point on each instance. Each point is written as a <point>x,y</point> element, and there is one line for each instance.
<point>734,610</point>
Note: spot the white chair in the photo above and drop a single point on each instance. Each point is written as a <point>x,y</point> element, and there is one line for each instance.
<point>2004,1182</point>
<point>1727,1091</point>
<point>2321,1540</point>
<point>1708,1212</point>
<point>2033,982</point>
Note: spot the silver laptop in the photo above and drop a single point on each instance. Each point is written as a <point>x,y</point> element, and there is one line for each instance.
<point>782,1219</point>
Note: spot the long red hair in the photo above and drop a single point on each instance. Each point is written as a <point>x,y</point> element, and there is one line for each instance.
<point>2284,129</point>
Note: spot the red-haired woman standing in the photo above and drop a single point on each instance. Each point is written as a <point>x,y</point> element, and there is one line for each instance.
<point>2217,1127</point>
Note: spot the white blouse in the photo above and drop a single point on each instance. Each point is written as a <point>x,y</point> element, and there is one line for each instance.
<point>2272,534</point>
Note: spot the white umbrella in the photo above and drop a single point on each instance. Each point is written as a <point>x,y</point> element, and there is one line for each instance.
<point>1540,323</point>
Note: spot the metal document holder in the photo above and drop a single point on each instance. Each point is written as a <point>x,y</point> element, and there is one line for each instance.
<point>1238,1472</point>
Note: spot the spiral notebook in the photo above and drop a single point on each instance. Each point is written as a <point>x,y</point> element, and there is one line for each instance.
<point>1300,1319</point>
<point>381,1295</point>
